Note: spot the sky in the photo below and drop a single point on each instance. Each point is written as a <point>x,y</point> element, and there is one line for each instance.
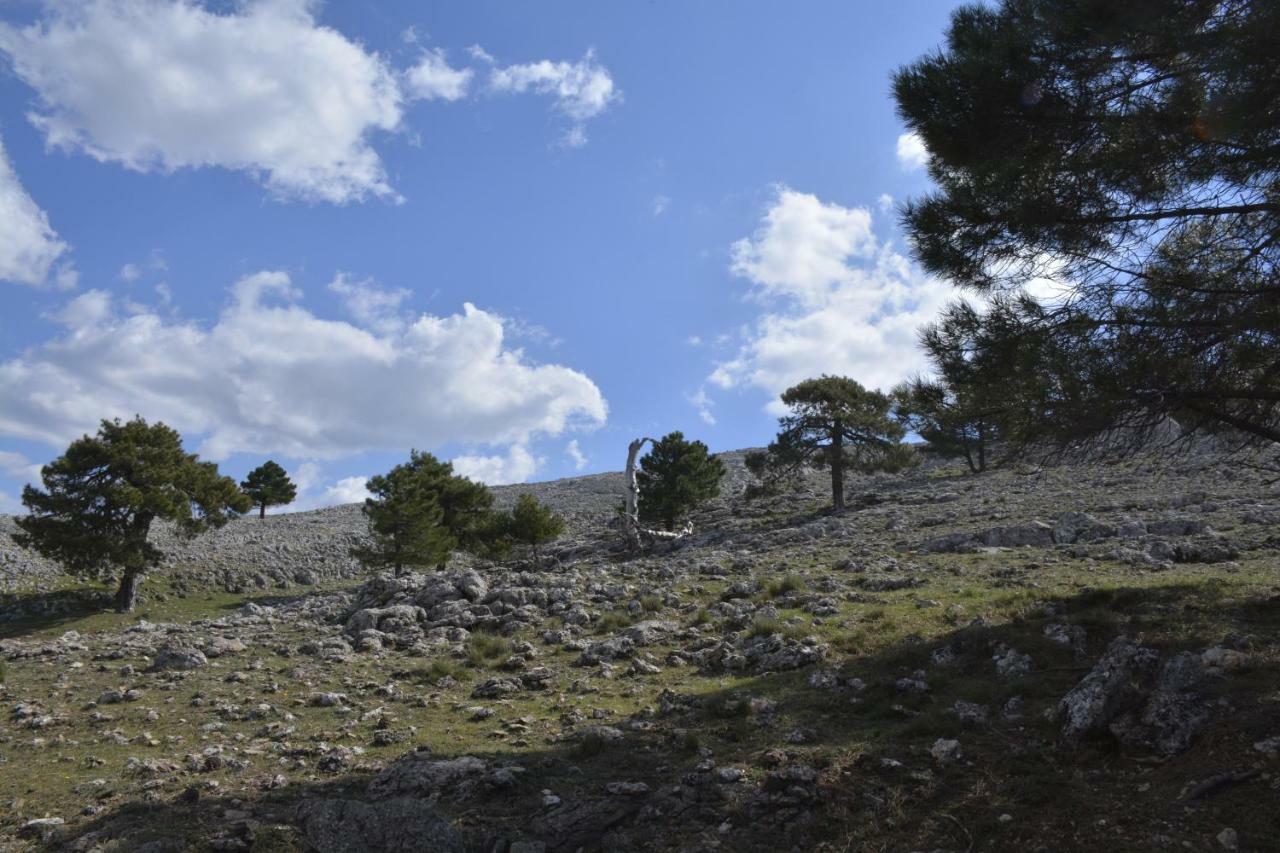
<point>516,235</point>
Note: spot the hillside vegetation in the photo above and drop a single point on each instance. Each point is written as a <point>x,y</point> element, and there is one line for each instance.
<point>1074,658</point>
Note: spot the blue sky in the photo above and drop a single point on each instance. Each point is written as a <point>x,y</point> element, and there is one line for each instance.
<point>514,234</point>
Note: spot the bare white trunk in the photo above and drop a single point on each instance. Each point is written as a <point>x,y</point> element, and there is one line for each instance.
<point>631,521</point>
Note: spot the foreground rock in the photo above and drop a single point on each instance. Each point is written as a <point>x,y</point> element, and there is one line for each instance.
<point>398,825</point>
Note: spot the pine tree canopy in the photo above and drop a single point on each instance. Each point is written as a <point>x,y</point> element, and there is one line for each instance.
<point>406,521</point>
<point>533,524</point>
<point>958,410</point>
<point>101,496</point>
<point>1130,152</point>
<point>269,485</point>
<point>675,477</point>
<point>420,512</point>
<point>837,424</point>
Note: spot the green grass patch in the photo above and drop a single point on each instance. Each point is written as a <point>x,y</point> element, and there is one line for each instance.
<point>486,649</point>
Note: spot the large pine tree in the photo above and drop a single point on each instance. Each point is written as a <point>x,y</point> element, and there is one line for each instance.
<point>835,424</point>
<point>1130,151</point>
<point>269,485</point>
<point>102,495</point>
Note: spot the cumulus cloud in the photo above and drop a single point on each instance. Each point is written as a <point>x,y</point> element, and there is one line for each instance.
<point>30,250</point>
<point>348,490</point>
<point>371,306</point>
<point>802,249</point>
<point>837,300</point>
<point>18,467</point>
<point>432,78</point>
<point>168,84</point>
<point>269,376</point>
<point>516,466</point>
<point>579,90</point>
<point>912,155</point>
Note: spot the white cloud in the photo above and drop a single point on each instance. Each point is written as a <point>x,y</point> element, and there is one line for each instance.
<point>268,376</point>
<point>803,247</point>
<point>130,272</point>
<point>30,250</point>
<point>517,466</point>
<point>837,300</point>
<point>434,79</point>
<point>580,90</point>
<point>574,137</point>
<point>18,467</point>
<point>371,306</point>
<point>479,54</point>
<point>575,454</point>
<point>701,401</point>
<point>912,155</point>
<point>348,490</point>
<point>315,491</point>
<point>885,203</point>
<point>660,204</point>
<point>168,84</point>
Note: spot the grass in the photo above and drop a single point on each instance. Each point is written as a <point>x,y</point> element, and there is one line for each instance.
<point>439,669</point>
<point>614,620</point>
<point>877,637</point>
<point>650,603</point>
<point>784,585</point>
<point>764,626</point>
<point>484,650</point>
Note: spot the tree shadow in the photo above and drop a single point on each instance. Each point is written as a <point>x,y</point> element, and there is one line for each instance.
<point>43,611</point>
<point>811,759</point>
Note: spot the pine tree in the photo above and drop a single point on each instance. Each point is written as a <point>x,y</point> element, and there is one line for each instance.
<point>1128,151</point>
<point>837,424</point>
<point>421,512</point>
<point>406,522</point>
<point>101,496</point>
<point>533,524</point>
<point>957,411</point>
<point>269,485</point>
<point>675,477</point>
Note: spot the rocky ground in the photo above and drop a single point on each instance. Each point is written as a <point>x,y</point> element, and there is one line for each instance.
<point>1073,658</point>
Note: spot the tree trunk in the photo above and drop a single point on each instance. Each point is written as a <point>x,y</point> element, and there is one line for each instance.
<point>262,512</point>
<point>127,594</point>
<point>632,519</point>
<point>837,466</point>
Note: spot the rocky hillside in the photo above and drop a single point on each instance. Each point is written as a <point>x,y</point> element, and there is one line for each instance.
<point>307,548</point>
<point>1069,658</point>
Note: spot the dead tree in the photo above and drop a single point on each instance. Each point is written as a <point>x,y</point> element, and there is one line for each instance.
<point>631,520</point>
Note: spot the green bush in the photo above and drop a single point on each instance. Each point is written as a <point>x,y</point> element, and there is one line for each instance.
<point>486,649</point>
<point>614,620</point>
<point>784,585</point>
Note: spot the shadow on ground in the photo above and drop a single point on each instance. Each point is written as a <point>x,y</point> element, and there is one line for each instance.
<point>836,766</point>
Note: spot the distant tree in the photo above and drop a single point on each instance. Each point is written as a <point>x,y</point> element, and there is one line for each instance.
<point>269,485</point>
<point>1128,151</point>
<point>957,410</point>
<point>675,477</point>
<point>533,524</point>
<point>837,424</point>
<point>101,496</point>
<point>406,522</point>
<point>421,512</point>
